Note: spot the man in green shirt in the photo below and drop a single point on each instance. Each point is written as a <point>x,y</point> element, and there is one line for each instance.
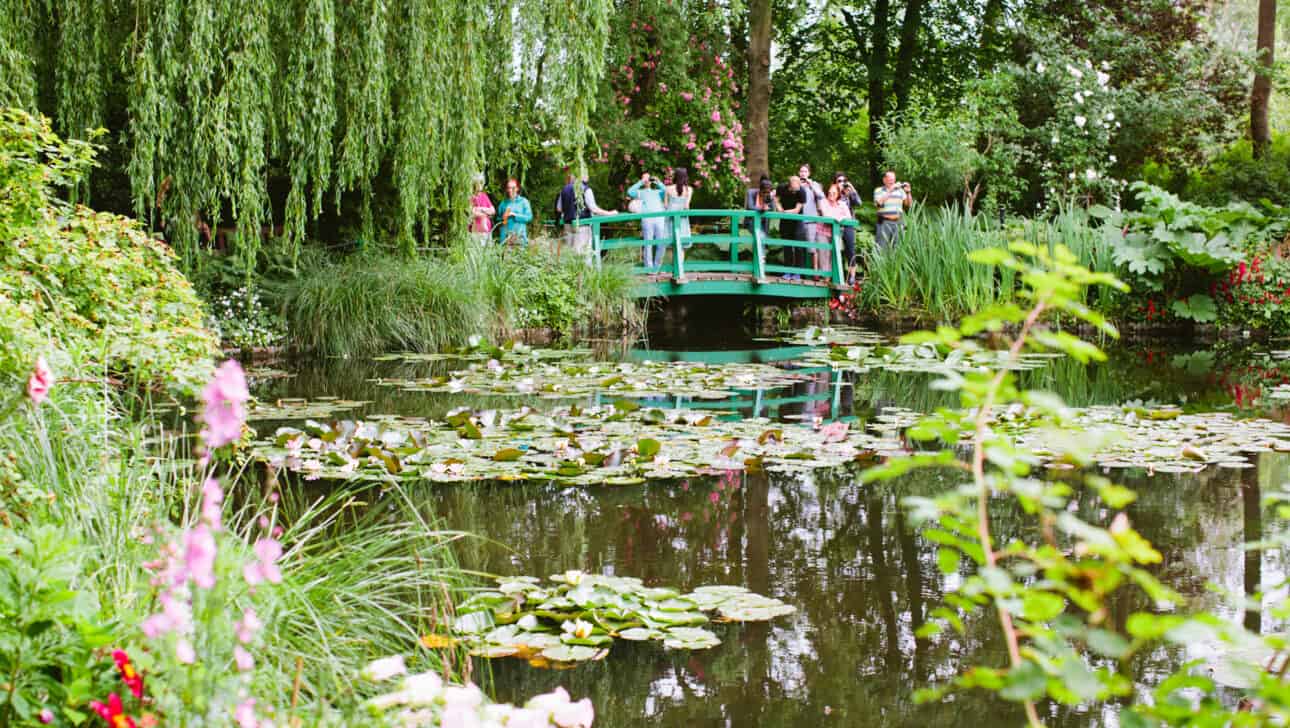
<point>892,200</point>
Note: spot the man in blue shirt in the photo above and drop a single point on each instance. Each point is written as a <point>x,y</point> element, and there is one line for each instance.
<point>514,214</point>
<point>651,193</point>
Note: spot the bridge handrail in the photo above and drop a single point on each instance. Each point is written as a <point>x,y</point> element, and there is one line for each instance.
<point>740,213</point>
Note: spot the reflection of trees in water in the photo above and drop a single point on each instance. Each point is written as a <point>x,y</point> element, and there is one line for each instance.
<point>862,577</point>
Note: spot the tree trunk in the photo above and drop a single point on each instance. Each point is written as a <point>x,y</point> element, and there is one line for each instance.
<point>757,143</point>
<point>877,85</point>
<point>908,50</point>
<point>1259,131</point>
<point>990,20</point>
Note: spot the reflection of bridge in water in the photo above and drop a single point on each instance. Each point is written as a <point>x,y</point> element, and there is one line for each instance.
<point>819,395</point>
<point>743,243</point>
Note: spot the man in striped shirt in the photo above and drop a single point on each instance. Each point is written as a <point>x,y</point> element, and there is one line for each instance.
<point>892,200</point>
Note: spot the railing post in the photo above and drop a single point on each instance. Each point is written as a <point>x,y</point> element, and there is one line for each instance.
<point>839,278</point>
<point>759,265</point>
<point>678,265</point>
<point>734,242</point>
<point>595,241</point>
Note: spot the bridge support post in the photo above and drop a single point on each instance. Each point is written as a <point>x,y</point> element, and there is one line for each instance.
<point>595,243</point>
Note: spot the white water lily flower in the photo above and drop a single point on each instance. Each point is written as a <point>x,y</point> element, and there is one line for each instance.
<point>573,576</point>
<point>578,628</point>
<point>494,366</point>
<point>385,668</point>
<point>528,622</point>
<point>1080,121</point>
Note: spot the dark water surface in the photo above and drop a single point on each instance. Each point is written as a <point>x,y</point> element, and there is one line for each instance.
<point>861,576</point>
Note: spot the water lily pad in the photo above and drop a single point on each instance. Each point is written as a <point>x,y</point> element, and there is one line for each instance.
<point>690,638</point>
<point>573,653</point>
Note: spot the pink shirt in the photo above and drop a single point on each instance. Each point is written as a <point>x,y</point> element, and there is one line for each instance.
<point>483,224</point>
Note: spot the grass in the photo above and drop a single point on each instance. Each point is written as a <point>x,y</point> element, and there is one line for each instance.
<point>927,275</point>
<point>364,572</point>
<point>372,303</point>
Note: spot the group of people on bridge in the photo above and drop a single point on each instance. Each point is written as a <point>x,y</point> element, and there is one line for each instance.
<point>799,195</point>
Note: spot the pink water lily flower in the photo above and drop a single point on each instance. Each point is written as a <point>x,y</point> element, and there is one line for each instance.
<point>40,381</point>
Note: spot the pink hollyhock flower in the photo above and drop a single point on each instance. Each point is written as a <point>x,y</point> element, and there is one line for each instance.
<point>244,714</point>
<point>175,616</point>
<point>689,145</point>
<point>40,381</point>
<point>687,95</point>
<point>245,662</point>
<point>716,116</point>
<point>212,497</point>
<point>225,399</point>
<point>267,552</point>
<point>248,626</point>
<point>561,710</point>
<point>199,556</point>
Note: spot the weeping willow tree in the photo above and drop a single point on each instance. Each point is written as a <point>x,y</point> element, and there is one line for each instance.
<point>342,100</point>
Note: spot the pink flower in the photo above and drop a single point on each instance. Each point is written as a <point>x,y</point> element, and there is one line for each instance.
<point>689,145</point>
<point>46,716</point>
<point>244,661</point>
<point>561,710</point>
<point>175,616</point>
<point>687,95</point>
<point>662,87</point>
<point>716,116</point>
<point>248,626</point>
<point>835,431</point>
<point>212,497</point>
<point>244,714</point>
<point>267,552</point>
<point>40,381</point>
<point>225,405</point>
<point>184,652</point>
<point>199,556</point>
<point>714,496</point>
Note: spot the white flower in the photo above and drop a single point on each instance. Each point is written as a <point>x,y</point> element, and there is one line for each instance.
<point>1103,79</point>
<point>1074,71</point>
<point>1110,116</point>
<point>1090,174</point>
<point>1079,97</point>
<point>578,628</point>
<point>1080,121</point>
<point>1112,158</point>
<point>423,688</point>
<point>1071,175</point>
<point>1039,67</point>
<point>1056,139</point>
<point>561,711</point>
<point>467,697</point>
<point>573,576</point>
<point>528,622</point>
<point>385,668</point>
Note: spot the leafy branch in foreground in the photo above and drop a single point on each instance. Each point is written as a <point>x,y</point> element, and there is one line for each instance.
<point>1052,592</point>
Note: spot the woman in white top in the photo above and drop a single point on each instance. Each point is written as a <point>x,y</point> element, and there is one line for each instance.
<point>678,198</point>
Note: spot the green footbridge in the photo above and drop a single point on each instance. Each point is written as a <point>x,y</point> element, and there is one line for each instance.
<point>745,249</point>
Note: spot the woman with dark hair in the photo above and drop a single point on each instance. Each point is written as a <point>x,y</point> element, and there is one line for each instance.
<point>679,193</point>
<point>762,199</point>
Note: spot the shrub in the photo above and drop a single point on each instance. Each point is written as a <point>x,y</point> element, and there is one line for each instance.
<point>74,278</point>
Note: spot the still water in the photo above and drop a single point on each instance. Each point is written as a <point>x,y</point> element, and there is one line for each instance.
<point>861,576</point>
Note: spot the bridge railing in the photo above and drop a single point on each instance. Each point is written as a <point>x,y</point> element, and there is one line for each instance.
<point>740,230</point>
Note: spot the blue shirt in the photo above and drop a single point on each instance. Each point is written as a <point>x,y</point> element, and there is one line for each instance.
<point>518,224</point>
<point>651,197</point>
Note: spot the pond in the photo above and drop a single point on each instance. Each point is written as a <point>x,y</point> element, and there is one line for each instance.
<point>862,578</point>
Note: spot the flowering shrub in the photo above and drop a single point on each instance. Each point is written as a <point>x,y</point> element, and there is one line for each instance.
<point>241,321</point>
<point>673,104</point>
<point>847,305</point>
<point>1256,295</point>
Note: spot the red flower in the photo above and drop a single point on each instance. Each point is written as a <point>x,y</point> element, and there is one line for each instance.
<point>112,713</point>
<point>1241,270</point>
<point>132,678</point>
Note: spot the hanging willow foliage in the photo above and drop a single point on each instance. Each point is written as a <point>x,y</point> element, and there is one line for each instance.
<point>222,97</point>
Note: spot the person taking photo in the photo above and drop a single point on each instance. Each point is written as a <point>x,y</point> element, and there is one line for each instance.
<point>893,199</point>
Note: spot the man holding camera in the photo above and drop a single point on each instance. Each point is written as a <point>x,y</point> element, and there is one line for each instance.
<point>892,200</point>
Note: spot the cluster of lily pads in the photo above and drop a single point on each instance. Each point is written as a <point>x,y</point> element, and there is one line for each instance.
<point>575,617</point>
<point>1161,439</point>
<point>914,358</point>
<point>615,444</point>
<point>625,444</point>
